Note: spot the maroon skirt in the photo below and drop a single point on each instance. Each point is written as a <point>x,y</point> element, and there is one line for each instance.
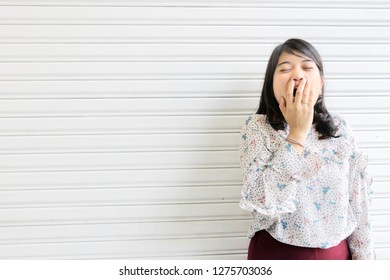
<point>264,247</point>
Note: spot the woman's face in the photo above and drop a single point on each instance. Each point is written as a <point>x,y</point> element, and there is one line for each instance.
<point>297,68</point>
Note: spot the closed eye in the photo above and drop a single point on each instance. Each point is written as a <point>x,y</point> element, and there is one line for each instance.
<point>285,70</point>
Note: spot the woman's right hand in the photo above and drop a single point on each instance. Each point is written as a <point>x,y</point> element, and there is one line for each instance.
<point>298,111</point>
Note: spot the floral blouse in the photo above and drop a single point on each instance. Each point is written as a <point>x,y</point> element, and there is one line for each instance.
<point>314,199</point>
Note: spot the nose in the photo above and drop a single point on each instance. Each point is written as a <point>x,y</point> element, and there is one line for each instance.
<point>297,76</point>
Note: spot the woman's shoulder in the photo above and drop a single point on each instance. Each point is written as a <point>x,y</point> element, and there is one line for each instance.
<point>257,127</point>
<point>256,123</point>
<point>258,118</point>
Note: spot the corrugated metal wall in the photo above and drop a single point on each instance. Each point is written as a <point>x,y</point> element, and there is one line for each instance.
<point>119,120</point>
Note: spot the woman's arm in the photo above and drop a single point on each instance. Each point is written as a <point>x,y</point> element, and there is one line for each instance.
<point>271,169</point>
<point>360,241</point>
<point>270,176</point>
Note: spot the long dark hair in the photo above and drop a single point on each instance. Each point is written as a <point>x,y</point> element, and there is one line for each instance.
<point>269,106</point>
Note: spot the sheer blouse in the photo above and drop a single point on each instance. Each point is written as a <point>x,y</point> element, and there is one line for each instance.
<point>314,199</point>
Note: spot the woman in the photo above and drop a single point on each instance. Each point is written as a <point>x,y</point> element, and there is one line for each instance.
<point>304,179</point>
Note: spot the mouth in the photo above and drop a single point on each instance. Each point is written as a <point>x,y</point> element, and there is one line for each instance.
<point>295,91</point>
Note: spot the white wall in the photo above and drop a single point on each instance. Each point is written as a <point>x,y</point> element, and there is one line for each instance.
<point>119,120</point>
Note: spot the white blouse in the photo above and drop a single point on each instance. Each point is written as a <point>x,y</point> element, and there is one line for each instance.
<point>315,199</point>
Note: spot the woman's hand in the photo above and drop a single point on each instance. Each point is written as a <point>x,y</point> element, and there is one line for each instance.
<point>298,111</point>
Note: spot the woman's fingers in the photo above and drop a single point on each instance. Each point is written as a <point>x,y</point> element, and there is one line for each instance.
<point>299,116</point>
<point>306,93</point>
<point>290,93</point>
<point>311,102</point>
<point>299,93</point>
<point>282,105</point>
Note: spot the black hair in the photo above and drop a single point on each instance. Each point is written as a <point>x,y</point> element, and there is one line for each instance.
<point>324,123</point>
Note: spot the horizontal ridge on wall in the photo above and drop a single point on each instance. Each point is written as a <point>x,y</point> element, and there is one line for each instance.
<point>380,237</point>
<point>38,144</point>
<point>190,34</point>
<point>138,248</point>
<point>379,189</point>
<point>179,52</point>
<point>292,16</point>
<point>370,69</point>
<point>141,89</point>
<point>155,124</point>
<point>62,215</point>
<point>54,197</point>
<point>13,182</point>
<point>140,178</point>
<point>123,231</point>
<point>378,170</point>
<point>46,71</point>
<point>120,213</point>
<point>349,4</point>
<point>139,160</point>
<point>91,107</point>
<point>132,196</point>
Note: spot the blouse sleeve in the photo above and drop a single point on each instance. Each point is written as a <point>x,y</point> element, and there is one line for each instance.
<point>360,241</point>
<point>271,169</point>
